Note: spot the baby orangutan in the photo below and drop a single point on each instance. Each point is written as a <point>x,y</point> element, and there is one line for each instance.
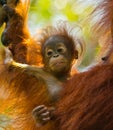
<point>58,52</point>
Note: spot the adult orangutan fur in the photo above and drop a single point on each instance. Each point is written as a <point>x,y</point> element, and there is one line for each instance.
<point>87,102</point>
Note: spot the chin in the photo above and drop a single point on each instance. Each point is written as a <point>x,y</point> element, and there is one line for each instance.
<point>59,70</point>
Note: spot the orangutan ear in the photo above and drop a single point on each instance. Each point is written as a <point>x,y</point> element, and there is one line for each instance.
<point>76,54</point>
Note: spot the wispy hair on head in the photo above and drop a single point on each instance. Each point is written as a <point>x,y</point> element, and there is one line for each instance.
<point>71,31</point>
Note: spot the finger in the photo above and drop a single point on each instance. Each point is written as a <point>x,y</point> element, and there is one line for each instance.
<point>42,116</point>
<point>43,110</point>
<point>46,119</point>
<point>46,114</point>
<point>38,108</point>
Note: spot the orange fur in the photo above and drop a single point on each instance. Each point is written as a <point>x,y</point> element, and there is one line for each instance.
<point>86,103</point>
<point>28,91</point>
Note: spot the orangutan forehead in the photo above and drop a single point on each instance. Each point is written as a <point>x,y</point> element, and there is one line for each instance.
<point>55,45</point>
<point>58,39</point>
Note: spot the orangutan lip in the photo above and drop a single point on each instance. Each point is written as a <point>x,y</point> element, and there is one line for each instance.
<point>60,63</point>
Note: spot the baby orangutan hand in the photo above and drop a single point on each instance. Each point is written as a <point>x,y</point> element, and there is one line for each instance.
<point>43,114</point>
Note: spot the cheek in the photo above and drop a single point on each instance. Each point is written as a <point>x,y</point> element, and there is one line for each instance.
<point>68,56</point>
<point>45,61</point>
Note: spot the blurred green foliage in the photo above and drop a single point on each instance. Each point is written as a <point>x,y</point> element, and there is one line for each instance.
<point>46,11</point>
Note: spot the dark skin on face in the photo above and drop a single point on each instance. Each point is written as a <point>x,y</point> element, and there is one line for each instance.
<point>57,57</point>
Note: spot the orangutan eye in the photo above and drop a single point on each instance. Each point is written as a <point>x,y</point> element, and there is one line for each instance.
<point>49,53</point>
<point>61,50</point>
